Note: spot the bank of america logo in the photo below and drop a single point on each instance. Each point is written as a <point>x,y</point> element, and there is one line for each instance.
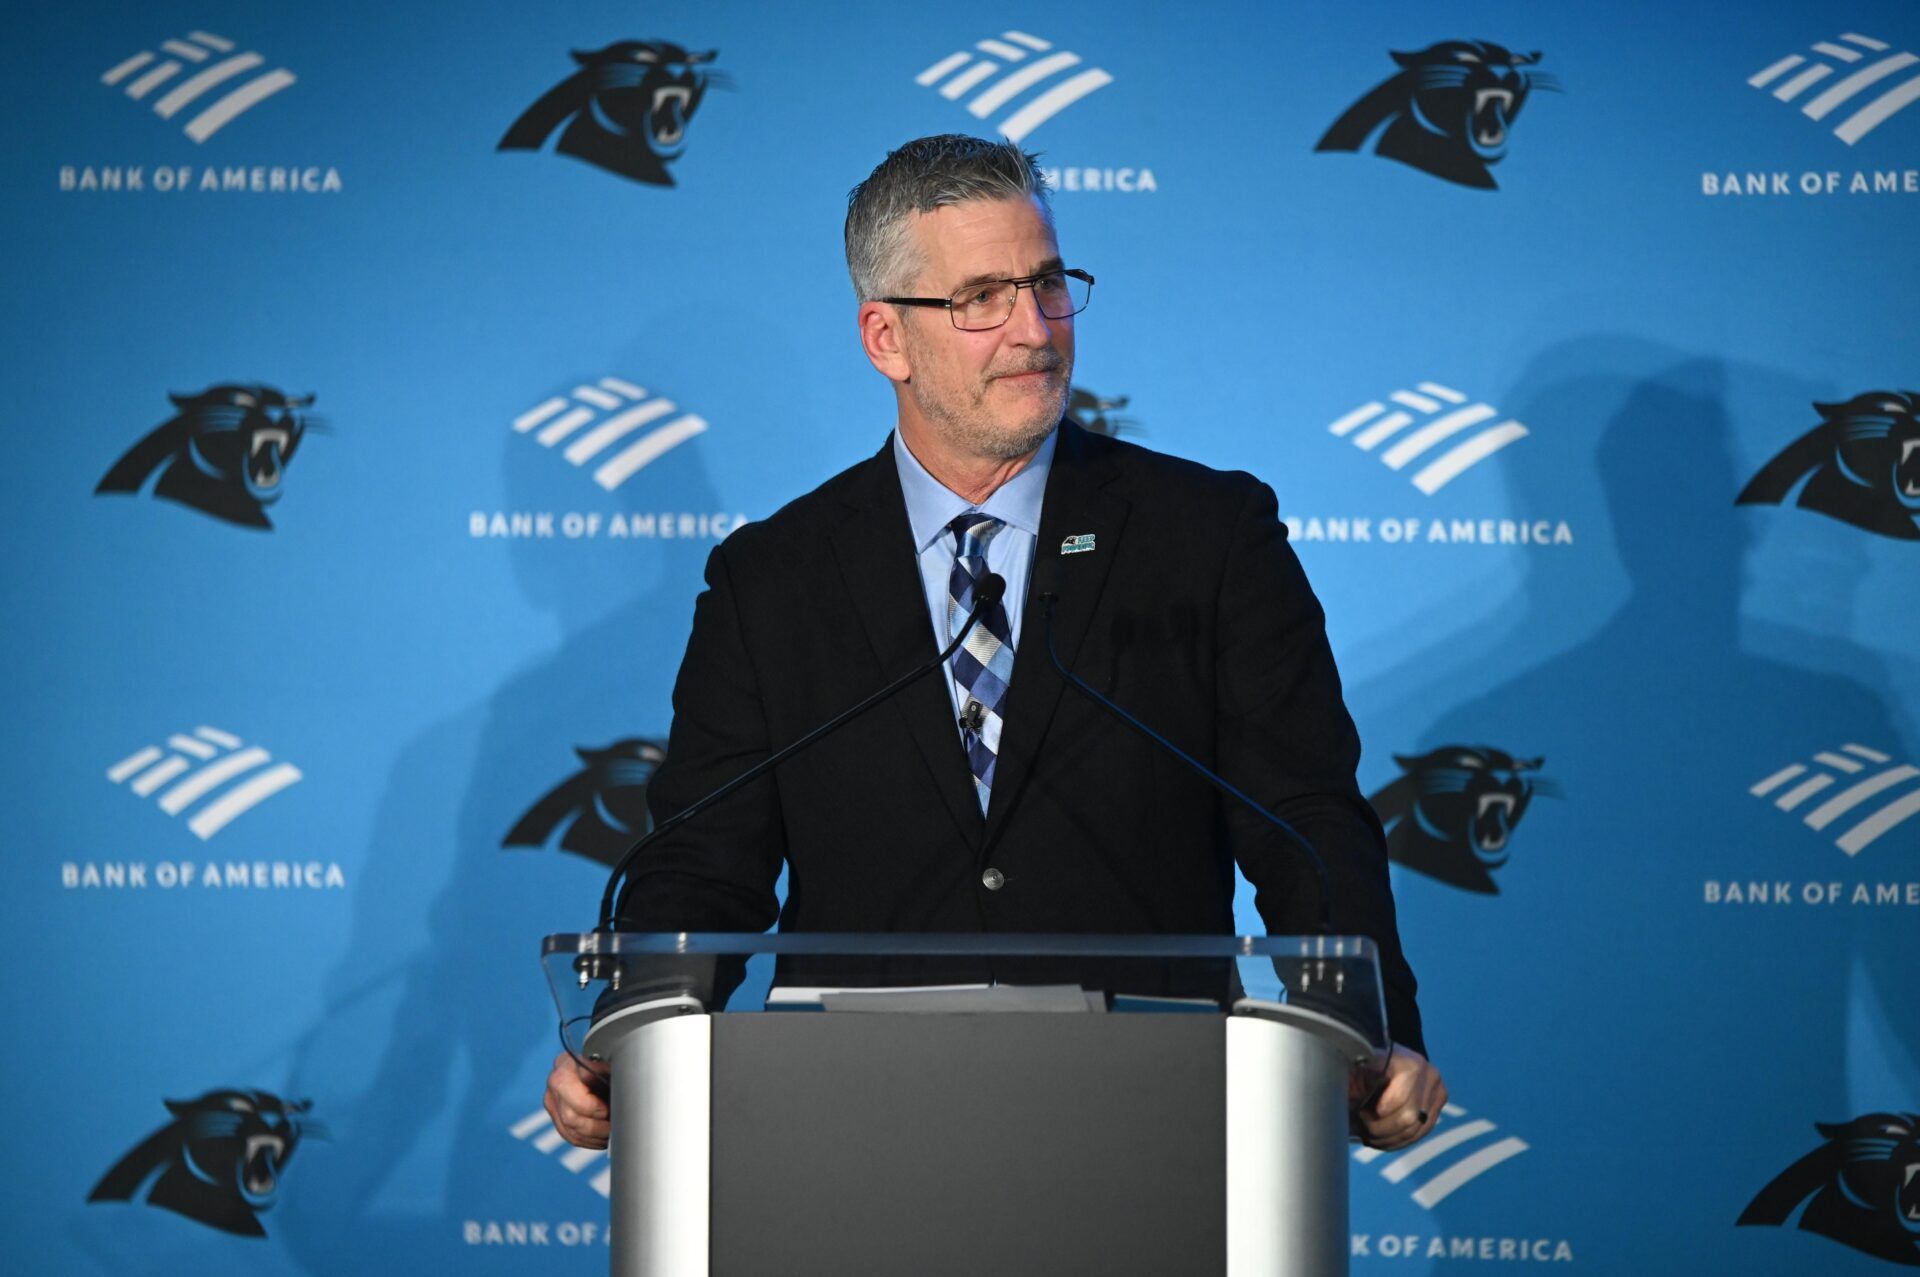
<point>538,1128</point>
<point>1438,413</point>
<point>1443,1174</point>
<point>1867,776</point>
<point>1029,63</point>
<point>192,766</point>
<point>596,421</point>
<point>1863,64</point>
<point>147,71</point>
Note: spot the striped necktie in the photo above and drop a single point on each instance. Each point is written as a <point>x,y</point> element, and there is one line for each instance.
<point>983,667</point>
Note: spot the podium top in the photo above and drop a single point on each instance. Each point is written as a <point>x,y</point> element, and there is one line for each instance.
<point>596,973</point>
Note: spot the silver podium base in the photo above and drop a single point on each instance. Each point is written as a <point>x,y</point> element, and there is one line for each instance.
<point>1050,1144</point>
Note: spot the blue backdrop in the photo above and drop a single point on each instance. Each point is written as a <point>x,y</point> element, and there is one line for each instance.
<point>1529,342</point>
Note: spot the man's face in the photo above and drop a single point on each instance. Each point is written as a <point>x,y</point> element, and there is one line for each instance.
<point>995,393</point>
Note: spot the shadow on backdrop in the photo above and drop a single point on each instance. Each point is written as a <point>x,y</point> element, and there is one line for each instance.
<point>440,1015</point>
<point>1610,1045</point>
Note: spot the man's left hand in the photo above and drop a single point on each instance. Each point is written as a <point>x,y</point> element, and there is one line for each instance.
<point>1395,1108</point>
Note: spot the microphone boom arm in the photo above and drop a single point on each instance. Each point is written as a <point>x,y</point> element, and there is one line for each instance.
<point>986,594</point>
<point>1218,782</point>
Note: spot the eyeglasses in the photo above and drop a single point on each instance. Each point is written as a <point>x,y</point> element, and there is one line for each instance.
<point>989,304</point>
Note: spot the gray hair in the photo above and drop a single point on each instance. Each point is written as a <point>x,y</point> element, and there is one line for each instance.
<point>925,174</point>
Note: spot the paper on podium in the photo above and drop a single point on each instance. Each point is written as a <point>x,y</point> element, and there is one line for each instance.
<point>962,999</point>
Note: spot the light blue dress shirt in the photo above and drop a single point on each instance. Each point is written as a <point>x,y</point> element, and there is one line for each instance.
<point>931,505</point>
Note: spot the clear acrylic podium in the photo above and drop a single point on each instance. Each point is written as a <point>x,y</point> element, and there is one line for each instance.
<point>1010,1104</point>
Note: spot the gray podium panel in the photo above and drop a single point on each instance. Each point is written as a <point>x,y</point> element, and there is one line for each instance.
<point>849,1144</point>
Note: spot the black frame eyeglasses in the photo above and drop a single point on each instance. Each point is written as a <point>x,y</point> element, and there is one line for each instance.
<point>1060,294</point>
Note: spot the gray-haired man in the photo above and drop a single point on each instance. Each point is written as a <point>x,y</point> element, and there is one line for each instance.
<point>986,801</point>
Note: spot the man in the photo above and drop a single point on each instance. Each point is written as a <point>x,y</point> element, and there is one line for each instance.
<point>988,800</point>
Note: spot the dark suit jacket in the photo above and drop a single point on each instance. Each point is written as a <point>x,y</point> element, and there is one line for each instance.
<point>1191,611</point>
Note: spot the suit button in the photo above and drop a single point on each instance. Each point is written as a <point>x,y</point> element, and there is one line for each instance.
<point>993,880</point>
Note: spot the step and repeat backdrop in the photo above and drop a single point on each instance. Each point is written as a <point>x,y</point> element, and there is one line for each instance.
<point>381,376</point>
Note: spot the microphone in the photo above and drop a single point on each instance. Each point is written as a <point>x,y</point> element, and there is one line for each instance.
<point>987,591</point>
<point>1293,835</point>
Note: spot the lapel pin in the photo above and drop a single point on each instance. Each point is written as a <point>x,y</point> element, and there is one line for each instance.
<point>1080,543</point>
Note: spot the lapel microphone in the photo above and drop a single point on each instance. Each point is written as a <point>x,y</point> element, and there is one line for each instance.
<point>1048,599</point>
<point>987,591</point>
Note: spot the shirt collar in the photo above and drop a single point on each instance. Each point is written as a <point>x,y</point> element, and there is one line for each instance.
<point>931,505</point>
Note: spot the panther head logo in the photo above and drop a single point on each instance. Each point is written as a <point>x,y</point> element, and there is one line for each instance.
<point>1448,111</point>
<point>1090,412</point>
<point>1452,815</point>
<point>1861,465</point>
<point>626,109</point>
<point>1861,1188</point>
<point>219,1161</point>
<point>604,805</point>
<point>224,453</point>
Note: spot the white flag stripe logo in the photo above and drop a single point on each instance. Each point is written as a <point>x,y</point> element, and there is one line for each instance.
<point>1026,77</point>
<point>561,418</point>
<point>223,758</point>
<point>1437,1189</point>
<point>968,78</point>
<point>958,74</point>
<point>937,72</point>
<point>194,86</point>
<point>1446,1139</point>
<point>595,441</point>
<point>546,1138</point>
<point>1764,77</point>
<point>132,763</point>
<point>127,68</point>
<point>1867,76</point>
<point>1052,102</point>
<point>194,48</point>
<point>158,776</point>
<point>217,116</point>
<point>534,416</point>
<point>1433,432</point>
<point>142,86</point>
<point>1435,1145</point>
<point>626,464</point>
<point>1475,450</point>
<point>189,745</point>
<point>1866,827</point>
<point>242,798</point>
<point>208,778</point>
<point>1869,115</point>
<point>1429,398</point>
<point>1385,428</point>
<point>1791,89</point>
<point>564,425</point>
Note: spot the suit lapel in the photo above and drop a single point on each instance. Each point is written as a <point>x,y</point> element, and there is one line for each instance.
<point>1075,505</point>
<point>874,548</point>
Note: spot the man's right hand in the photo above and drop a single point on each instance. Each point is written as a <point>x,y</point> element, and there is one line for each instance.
<point>577,1102</point>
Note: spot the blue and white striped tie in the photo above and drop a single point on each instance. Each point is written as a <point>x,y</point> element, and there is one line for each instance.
<point>983,667</point>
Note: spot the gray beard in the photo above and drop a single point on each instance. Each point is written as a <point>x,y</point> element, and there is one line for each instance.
<point>999,446</point>
<point>981,440</point>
